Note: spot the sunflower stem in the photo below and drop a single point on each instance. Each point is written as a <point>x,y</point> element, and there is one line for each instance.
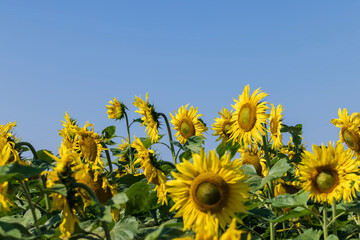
<point>25,187</point>
<point>129,141</point>
<point>93,197</point>
<point>325,221</point>
<point>334,217</point>
<point>170,137</point>
<point>106,150</point>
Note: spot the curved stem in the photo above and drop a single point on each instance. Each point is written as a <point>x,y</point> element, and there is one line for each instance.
<point>25,187</point>
<point>107,156</point>
<point>129,141</point>
<point>170,137</point>
<point>32,149</point>
<point>164,145</point>
<point>93,197</point>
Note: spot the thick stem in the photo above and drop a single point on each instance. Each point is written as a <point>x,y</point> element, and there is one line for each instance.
<point>129,141</point>
<point>32,149</point>
<point>333,220</point>
<point>25,187</point>
<point>170,137</point>
<point>93,197</point>
<point>325,221</point>
<point>107,156</point>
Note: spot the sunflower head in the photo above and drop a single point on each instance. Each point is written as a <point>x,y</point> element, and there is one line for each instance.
<point>275,123</point>
<point>329,173</point>
<point>208,191</point>
<point>248,117</point>
<point>253,155</point>
<point>222,125</point>
<point>116,109</point>
<point>349,129</point>
<point>187,123</point>
<point>150,118</point>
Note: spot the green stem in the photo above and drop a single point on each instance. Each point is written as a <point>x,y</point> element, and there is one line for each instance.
<point>32,149</point>
<point>325,221</point>
<point>333,220</point>
<point>25,187</point>
<point>129,141</point>
<point>93,197</point>
<point>170,137</point>
<point>107,156</point>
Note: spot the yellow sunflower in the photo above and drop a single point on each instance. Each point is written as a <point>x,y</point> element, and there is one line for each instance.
<point>222,125</point>
<point>233,234</point>
<point>151,169</point>
<point>249,115</point>
<point>329,173</point>
<point>275,123</point>
<point>69,129</point>
<point>187,123</point>
<point>209,191</point>
<point>349,129</point>
<point>10,154</point>
<point>116,109</point>
<point>255,156</point>
<point>149,117</point>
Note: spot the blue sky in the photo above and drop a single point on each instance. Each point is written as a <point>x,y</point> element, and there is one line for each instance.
<point>75,56</point>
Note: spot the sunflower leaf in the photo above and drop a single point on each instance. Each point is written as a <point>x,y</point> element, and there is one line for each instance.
<point>109,132</point>
<point>223,147</point>
<point>16,171</point>
<point>309,234</point>
<point>276,171</point>
<point>138,195</point>
<point>168,230</point>
<point>296,212</point>
<point>125,229</point>
<point>193,144</point>
<point>291,200</point>
<point>13,231</point>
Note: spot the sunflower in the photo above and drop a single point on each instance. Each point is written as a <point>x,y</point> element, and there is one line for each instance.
<point>249,115</point>
<point>187,123</point>
<point>275,123</point>
<point>233,234</point>
<point>222,125</point>
<point>255,156</point>
<point>151,169</point>
<point>7,145</point>
<point>209,191</point>
<point>69,129</point>
<point>349,129</point>
<point>116,109</point>
<point>149,117</point>
<point>329,173</point>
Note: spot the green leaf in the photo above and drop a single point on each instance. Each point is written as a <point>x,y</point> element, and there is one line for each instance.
<point>352,207</point>
<point>125,229</point>
<point>177,144</point>
<point>254,179</point>
<point>291,200</point>
<point>223,147</point>
<point>264,213</point>
<point>45,157</point>
<point>103,213</point>
<point>296,212</point>
<point>117,200</point>
<point>309,234</point>
<point>109,132</point>
<point>16,171</point>
<point>332,237</point>
<point>276,171</point>
<point>28,219</point>
<point>138,195</point>
<point>194,143</point>
<point>57,188</point>
<point>147,141</point>
<point>168,230</point>
<point>185,155</point>
<point>13,231</point>
<point>130,179</point>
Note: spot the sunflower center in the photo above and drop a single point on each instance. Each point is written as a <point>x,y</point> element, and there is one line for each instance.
<point>325,181</point>
<point>225,129</point>
<point>351,140</point>
<point>88,147</point>
<point>209,192</point>
<point>187,129</point>
<point>247,117</point>
<point>273,126</point>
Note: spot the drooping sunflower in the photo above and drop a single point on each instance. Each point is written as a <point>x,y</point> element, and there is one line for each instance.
<point>187,123</point>
<point>151,169</point>
<point>7,144</point>
<point>253,155</point>
<point>349,129</point>
<point>149,117</point>
<point>116,109</point>
<point>275,123</point>
<point>209,191</point>
<point>69,129</point>
<point>329,173</point>
<point>249,115</point>
<point>222,125</point>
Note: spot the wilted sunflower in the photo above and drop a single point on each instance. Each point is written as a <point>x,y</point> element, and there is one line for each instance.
<point>255,156</point>
<point>349,129</point>
<point>329,173</point>
<point>149,117</point>
<point>222,125</point>
<point>151,169</point>
<point>275,123</point>
<point>249,115</point>
<point>116,109</point>
<point>209,191</point>
<point>187,123</point>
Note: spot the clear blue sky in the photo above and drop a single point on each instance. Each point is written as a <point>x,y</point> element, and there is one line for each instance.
<point>75,56</point>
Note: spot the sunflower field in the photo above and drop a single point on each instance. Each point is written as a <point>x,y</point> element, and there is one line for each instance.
<point>254,185</point>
